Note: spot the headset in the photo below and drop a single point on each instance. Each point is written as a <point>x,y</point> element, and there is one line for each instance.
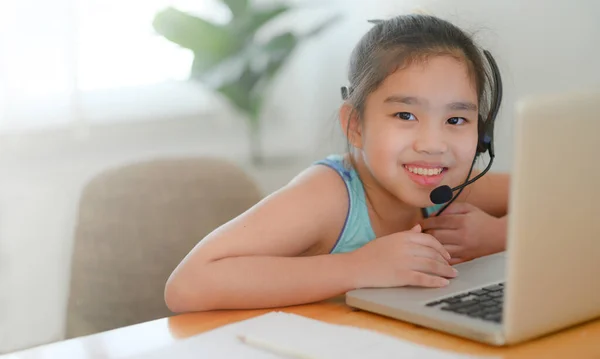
<point>485,142</point>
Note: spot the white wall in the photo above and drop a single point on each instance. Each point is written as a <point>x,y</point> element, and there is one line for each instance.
<point>541,46</point>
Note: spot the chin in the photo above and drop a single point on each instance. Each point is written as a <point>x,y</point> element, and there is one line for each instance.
<point>418,194</point>
<point>418,198</point>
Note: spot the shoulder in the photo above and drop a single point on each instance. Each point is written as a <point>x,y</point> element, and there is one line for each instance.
<point>322,194</point>
<point>322,185</point>
<point>310,210</point>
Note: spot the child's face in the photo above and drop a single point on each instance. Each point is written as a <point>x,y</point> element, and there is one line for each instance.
<point>420,129</point>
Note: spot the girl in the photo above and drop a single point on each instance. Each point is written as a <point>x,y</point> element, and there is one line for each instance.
<point>417,84</point>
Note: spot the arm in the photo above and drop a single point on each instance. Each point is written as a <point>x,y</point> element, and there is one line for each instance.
<point>476,224</point>
<point>489,193</point>
<point>256,259</point>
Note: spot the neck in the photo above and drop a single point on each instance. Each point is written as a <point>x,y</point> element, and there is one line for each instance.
<point>387,213</point>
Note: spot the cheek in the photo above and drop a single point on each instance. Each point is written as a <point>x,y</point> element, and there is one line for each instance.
<point>383,140</point>
<point>385,153</point>
<point>465,152</point>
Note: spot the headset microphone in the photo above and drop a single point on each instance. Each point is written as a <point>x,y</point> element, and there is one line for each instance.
<point>443,194</point>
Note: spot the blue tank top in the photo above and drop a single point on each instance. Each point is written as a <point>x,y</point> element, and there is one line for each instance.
<point>357,230</point>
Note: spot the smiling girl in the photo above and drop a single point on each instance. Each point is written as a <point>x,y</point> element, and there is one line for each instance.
<point>417,85</point>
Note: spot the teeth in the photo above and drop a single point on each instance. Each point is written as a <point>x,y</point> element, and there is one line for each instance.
<point>425,171</point>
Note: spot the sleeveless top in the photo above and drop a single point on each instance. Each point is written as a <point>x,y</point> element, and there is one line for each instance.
<point>357,230</point>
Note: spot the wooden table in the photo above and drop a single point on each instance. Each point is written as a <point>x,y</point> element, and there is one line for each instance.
<point>579,342</point>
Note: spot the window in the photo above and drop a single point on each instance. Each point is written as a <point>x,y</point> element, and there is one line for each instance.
<point>65,61</point>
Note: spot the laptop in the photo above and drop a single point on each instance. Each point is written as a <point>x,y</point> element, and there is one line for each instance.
<point>548,277</point>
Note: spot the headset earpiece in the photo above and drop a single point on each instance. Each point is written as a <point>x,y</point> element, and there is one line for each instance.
<point>481,129</point>
<point>486,128</point>
<point>485,134</point>
<point>346,92</point>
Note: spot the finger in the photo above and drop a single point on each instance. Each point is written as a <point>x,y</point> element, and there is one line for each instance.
<point>429,241</point>
<point>458,208</point>
<point>456,260</point>
<point>447,236</point>
<point>430,266</point>
<point>427,252</point>
<point>454,250</point>
<point>442,222</point>
<point>426,280</point>
<point>416,228</point>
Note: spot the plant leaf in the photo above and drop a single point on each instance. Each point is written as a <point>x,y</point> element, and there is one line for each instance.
<point>281,43</point>
<point>210,43</point>
<point>262,63</point>
<point>239,90</point>
<point>222,72</point>
<point>227,58</point>
<point>235,94</point>
<point>253,20</point>
<point>278,50</point>
<point>237,7</point>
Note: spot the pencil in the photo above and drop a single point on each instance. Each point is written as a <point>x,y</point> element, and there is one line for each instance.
<point>274,349</point>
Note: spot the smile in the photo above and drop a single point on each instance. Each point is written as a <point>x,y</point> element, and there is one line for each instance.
<point>424,171</point>
<point>425,175</point>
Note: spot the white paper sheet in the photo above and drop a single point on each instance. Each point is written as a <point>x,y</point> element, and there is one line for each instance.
<point>312,338</point>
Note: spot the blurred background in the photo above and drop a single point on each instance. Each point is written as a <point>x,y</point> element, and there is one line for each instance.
<point>86,85</point>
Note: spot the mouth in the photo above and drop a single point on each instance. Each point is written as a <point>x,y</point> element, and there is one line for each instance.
<point>425,175</point>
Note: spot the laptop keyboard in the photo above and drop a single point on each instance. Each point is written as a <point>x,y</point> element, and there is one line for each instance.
<point>485,303</point>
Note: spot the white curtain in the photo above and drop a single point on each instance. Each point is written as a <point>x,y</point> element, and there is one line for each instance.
<point>67,62</point>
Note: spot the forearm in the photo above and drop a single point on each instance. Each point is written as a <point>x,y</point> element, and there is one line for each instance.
<point>260,282</point>
<point>490,194</point>
<point>502,234</point>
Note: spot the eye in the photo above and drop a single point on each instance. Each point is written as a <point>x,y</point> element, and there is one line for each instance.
<point>456,120</point>
<point>407,116</point>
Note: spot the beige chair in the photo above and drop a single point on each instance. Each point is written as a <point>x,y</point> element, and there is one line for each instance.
<point>135,225</point>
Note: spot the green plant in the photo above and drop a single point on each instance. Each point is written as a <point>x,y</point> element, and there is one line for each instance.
<point>230,59</point>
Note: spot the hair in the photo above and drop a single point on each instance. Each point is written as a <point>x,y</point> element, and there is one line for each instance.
<point>406,39</point>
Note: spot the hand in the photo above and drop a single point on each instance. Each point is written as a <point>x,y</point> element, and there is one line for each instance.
<point>467,232</point>
<point>401,259</point>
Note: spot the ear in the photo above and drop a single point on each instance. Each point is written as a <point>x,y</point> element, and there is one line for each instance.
<point>350,123</point>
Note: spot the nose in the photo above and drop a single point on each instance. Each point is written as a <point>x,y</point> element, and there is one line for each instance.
<point>430,140</point>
